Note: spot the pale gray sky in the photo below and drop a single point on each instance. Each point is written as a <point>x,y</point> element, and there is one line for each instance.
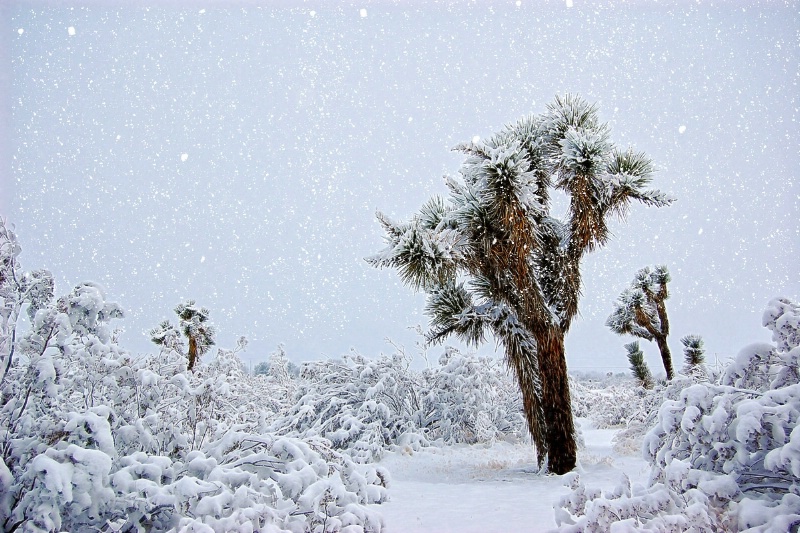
<point>236,155</point>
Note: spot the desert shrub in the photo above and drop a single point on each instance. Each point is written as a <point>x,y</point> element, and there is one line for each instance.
<point>367,406</point>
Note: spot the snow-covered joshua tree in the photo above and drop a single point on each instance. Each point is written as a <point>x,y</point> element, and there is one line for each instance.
<point>640,311</point>
<point>194,325</point>
<point>197,328</point>
<point>493,260</point>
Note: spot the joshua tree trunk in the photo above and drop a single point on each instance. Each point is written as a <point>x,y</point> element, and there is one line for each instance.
<point>525,369</point>
<point>659,336</point>
<point>557,407</point>
<point>666,357</point>
<point>192,352</point>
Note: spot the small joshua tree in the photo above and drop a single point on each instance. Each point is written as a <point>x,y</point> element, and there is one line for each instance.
<point>694,356</point>
<point>194,325</point>
<point>640,311</point>
<point>197,328</point>
<point>638,366</point>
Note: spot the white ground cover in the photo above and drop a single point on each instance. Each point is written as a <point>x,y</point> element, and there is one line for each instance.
<point>492,488</point>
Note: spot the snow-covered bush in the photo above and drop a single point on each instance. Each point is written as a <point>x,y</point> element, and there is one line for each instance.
<point>17,289</point>
<point>611,405</point>
<point>93,438</point>
<point>279,379</point>
<point>471,399</point>
<point>367,406</point>
<point>724,456</point>
<point>363,406</point>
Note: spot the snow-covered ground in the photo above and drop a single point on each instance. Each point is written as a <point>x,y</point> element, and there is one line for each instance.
<point>491,488</point>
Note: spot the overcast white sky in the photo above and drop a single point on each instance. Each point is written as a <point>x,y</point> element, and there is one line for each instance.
<point>236,155</point>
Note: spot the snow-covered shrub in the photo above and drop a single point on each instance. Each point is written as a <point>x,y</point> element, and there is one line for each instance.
<point>724,456</point>
<point>279,379</point>
<point>611,405</point>
<point>367,406</point>
<point>93,438</point>
<point>470,399</point>
<point>363,406</point>
<point>17,289</point>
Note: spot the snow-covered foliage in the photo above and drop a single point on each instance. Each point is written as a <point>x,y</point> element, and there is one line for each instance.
<point>17,288</point>
<point>361,405</point>
<point>471,399</point>
<point>613,405</point>
<point>280,379</point>
<point>93,438</point>
<point>724,456</point>
<point>367,406</point>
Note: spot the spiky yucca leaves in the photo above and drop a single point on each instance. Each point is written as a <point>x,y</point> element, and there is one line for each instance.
<point>694,357</point>
<point>693,351</point>
<point>641,311</point>
<point>639,368</point>
<point>494,262</point>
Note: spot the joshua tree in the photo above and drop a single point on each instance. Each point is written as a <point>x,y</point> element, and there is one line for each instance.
<point>196,328</point>
<point>494,261</point>
<point>194,325</point>
<point>638,366</point>
<point>640,311</point>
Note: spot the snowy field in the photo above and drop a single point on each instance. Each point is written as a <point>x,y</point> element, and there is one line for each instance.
<point>492,488</point>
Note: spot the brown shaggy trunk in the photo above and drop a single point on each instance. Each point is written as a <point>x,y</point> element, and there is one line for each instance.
<point>666,357</point>
<point>525,370</point>
<point>192,353</point>
<point>557,405</point>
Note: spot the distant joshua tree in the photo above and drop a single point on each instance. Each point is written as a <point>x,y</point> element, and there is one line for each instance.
<point>638,366</point>
<point>640,311</point>
<point>195,326</point>
<point>495,261</point>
